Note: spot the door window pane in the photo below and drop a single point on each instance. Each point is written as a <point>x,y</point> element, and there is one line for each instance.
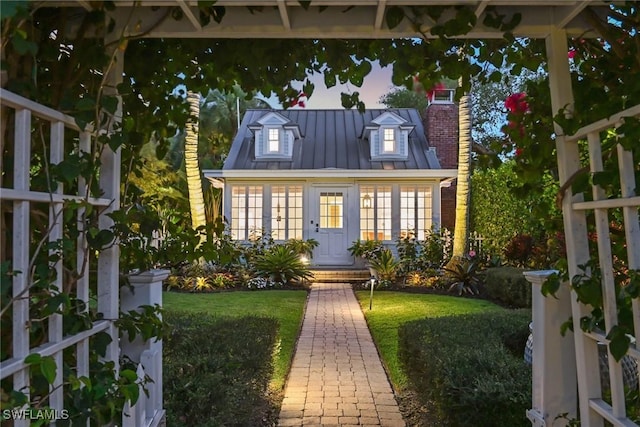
<point>331,208</point>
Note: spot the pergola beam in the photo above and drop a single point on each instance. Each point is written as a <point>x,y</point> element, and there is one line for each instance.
<point>189,14</point>
<point>284,14</point>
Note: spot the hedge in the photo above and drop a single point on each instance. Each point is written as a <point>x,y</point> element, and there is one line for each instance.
<point>508,285</point>
<point>466,366</point>
<point>217,370</point>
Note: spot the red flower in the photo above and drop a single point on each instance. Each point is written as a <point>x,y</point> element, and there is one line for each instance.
<point>301,104</point>
<point>519,152</point>
<point>571,54</point>
<point>517,103</point>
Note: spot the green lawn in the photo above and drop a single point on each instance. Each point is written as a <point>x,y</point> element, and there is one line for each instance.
<point>391,309</point>
<point>286,306</point>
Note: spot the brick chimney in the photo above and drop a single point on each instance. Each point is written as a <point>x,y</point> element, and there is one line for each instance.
<point>441,126</point>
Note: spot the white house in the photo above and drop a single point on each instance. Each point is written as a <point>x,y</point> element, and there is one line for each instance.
<point>332,175</point>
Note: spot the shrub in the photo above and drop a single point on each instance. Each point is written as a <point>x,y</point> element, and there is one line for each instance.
<point>519,249</point>
<point>462,365</point>
<point>281,264</point>
<point>385,265</point>
<point>508,285</point>
<point>220,380</point>
<point>366,249</point>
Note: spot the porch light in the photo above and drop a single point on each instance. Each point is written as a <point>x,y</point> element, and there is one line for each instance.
<point>304,259</point>
<point>366,201</point>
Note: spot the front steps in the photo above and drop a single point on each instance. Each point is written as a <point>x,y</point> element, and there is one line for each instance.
<point>340,276</point>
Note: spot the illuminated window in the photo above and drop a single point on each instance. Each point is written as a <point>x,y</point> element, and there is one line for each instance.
<point>246,212</point>
<point>286,212</point>
<point>331,209</point>
<point>274,140</point>
<point>389,141</point>
<point>415,211</point>
<point>375,212</point>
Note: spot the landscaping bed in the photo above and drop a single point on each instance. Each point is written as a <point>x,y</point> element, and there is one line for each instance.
<point>469,369</point>
<point>212,378</point>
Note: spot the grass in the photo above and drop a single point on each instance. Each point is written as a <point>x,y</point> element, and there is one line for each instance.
<point>391,309</point>
<point>285,306</point>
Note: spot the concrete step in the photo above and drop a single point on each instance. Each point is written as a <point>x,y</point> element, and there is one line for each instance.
<point>340,276</point>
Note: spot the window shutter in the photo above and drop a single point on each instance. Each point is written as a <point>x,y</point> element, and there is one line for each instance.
<point>259,143</point>
<point>375,144</point>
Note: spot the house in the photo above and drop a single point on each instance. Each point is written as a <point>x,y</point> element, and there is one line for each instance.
<point>332,175</point>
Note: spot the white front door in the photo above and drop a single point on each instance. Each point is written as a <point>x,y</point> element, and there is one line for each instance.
<point>330,226</point>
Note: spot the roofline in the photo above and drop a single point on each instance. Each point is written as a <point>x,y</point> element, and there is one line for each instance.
<point>331,173</point>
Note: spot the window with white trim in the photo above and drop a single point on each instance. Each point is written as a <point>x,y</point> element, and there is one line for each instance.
<point>274,140</point>
<point>415,211</point>
<point>389,140</point>
<point>375,212</point>
<point>286,212</point>
<point>246,212</point>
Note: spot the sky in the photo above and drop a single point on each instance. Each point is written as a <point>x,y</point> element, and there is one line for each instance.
<point>376,84</point>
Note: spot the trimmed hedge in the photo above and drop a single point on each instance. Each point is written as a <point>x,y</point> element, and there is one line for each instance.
<point>508,285</point>
<point>465,365</point>
<point>217,370</point>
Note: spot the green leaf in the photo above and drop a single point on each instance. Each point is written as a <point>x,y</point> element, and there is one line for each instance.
<point>86,104</point>
<point>109,103</point>
<point>218,13</point>
<point>33,359</point>
<point>9,9</point>
<point>48,368</point>
<point>22,45</point>
<point>129,374</point>
<point>100,342</point>
<point>551,285</point>
<point>394,17</point>
<point>619,344</point>
<point>305,4</point>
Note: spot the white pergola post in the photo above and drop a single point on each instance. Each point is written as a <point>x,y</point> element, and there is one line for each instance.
<point>553,361</point>
<point>575,224</point>
<point>108,261</point>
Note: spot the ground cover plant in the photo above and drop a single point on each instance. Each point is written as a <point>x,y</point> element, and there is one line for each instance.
<point>212,378</point>
<point>470,367</point>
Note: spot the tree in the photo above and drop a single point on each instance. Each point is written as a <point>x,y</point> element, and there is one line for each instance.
<point>191,163</point>
<point>461,230</point>
<point>404,98</point>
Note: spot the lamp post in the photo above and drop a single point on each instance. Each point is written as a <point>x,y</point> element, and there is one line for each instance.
<point>372,282</point>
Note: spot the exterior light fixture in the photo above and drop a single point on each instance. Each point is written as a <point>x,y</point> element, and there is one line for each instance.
<point>366,201</point>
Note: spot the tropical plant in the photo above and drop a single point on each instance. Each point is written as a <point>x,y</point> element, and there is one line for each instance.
<point>461,231</point>
<point>282,264</point>
<point>464,277</point>
<point>385,265</point>
<point>302,247</point>
<point>366,249</point>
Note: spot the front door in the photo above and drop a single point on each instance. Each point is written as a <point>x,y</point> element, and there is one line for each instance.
<point>329,226</point>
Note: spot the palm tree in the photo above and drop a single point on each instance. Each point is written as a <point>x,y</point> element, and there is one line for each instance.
<point>461,230</point>
<point>219,113</point>
<point>192,167</point>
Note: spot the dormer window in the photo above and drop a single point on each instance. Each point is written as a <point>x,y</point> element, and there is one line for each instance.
<point>274,137</point>
<point>388,136</point>
<point>274,140</point>
<point>389,140</point>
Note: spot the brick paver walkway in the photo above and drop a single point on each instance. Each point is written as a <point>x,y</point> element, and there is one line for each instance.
<point>337,378</point>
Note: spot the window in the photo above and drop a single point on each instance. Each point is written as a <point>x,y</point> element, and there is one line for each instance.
<point>286,212</point>
<point>331,210</point>
<point>246,212</point>
<point>389,140</point>
<point>274,140</point>
<point>375,212</point>
<point>415,211</point>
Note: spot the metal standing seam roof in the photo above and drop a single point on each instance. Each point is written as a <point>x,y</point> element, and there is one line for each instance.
<point>331,139</point>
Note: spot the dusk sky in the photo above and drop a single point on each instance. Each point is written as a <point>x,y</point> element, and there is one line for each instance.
<point>376,84</point>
